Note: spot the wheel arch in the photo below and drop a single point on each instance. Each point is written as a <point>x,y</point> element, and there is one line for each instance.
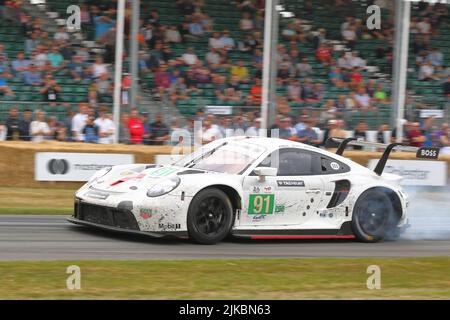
<point>393,196</point>
<point>231,192</point>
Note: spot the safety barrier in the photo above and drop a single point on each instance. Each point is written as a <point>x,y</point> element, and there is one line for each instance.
<point>17,159</point>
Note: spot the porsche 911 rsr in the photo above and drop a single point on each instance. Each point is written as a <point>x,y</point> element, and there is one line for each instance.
<point>248,187</point>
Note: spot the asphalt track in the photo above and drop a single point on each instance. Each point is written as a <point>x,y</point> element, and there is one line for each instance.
<point>52,238</point>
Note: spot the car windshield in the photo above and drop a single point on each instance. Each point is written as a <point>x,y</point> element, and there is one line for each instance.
<point>228,157</point>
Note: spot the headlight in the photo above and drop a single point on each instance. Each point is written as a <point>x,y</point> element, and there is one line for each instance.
<point>164,187</point>
<point>100,173</point>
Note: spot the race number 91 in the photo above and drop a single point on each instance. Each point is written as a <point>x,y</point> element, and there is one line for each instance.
<point>261,204</point>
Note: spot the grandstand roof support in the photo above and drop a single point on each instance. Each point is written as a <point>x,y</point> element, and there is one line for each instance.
<point>400,64</point>
<point>134,48</point>
<point>118,66</point>
<point>268,106</point>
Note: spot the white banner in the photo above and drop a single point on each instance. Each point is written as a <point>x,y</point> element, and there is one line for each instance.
<point>416,172</point>
<point>222,110</point>
<point>68,166</point>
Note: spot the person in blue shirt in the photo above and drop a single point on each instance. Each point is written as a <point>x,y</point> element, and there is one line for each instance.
<point>33,76</point>
<point>90,131</point>
<point>102,24</point>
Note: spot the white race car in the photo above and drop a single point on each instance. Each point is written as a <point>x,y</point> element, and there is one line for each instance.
<point>258,188</point>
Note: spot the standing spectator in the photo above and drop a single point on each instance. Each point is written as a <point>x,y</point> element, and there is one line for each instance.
<point>255,130</point>
<point>415,135</point>
<point>39,128</point>
<point>106,127</point>
<point>135,127</point>
<point>24,125</point>
<point>13,124</point>
<point>91,130</point>
<point>360,132</point>
<point>160,132</point>
<point>308,135</point>
<point>102,25</point>
<point>124,133</point>
<point>286,131</point>
<point>79,121</point>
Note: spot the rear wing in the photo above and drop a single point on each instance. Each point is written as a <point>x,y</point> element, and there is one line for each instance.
<point>421,153</point>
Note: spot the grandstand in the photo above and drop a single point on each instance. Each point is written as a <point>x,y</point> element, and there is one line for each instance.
<point>313,15</point>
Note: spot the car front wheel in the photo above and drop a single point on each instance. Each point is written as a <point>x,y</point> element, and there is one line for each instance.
<point>210,216</point>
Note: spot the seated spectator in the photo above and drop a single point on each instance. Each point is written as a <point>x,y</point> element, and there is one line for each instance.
<point>246,22</point>
<point>39,128</point>
<point>220,86</point>
<point>362,99</point>
<point>426,72</point>
<point>20,65</point>
<point>201,73</point>
<point>336,77</point>
<point>356,78</point>
<point>104,87</point>
<point>206,22</point>
<point>231,95</point>
<point>350,101</point>
<point>50,89</point>
<point>179,90</point>
<point>78,122</point>
<point>214,41</point>
<point>162,79</point>
<point>226,41</point>
<point>328,112</point>
<point>349,36</point>
<point>344,61</point>
<point>79,70</point>
<point>283,74</point>
<point>356,61</point>
<point>424,26</point>
<point>240,71</point>
<point>189,57</point>
<point>323,54</point>
<point>436,57</point>
<point>380,94</point>
<point>308,90</point>
<point>213,59</point>
<point>91,130</point>
<point>172,35</point>
<point>98,68</point>
<point>4,87</point>
<point>33,76</point>
<point>248,44</point>
<point>61,34</point>
<point>56,60</point>
<point>294,91</point>
<point>303,68</point>
<point>254,98</point>
<point>196,28</point>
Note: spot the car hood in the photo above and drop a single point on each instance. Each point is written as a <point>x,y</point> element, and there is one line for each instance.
<point>126,178</point>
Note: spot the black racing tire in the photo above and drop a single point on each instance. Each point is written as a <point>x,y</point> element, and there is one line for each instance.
<point>374,216</point>
<point>210,216</point>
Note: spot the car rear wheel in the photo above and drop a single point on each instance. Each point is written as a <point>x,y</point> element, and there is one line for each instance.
<point>210,216</point>
<point>373,216</point>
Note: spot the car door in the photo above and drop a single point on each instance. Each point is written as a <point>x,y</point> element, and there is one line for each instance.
<point>291,197</point>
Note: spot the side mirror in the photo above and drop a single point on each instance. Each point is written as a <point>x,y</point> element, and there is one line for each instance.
<point>263,172</point>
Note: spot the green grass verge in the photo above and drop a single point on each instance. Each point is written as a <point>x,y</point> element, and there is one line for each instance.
<point>35,201</point>
<point>405,278</point>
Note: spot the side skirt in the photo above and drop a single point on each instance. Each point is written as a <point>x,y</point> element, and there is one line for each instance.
<point>343,233</point>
